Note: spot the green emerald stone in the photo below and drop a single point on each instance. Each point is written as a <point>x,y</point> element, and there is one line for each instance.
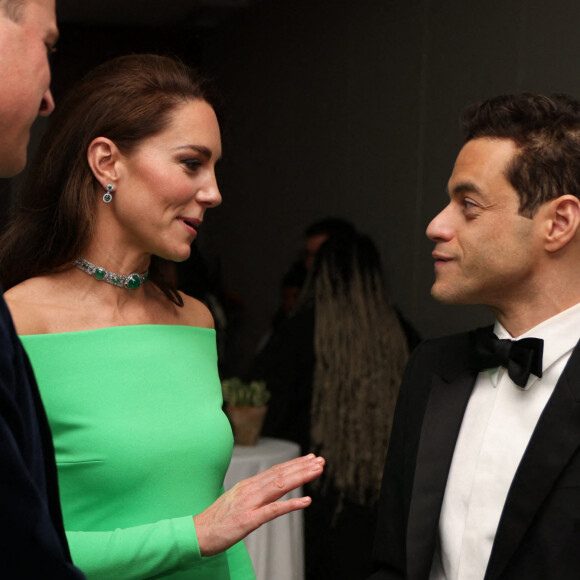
<point>133,282</point>
<point>116,280</point>
<point>99,273</point>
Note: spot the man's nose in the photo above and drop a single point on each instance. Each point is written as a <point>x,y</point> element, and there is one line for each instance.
<point>440,227</point>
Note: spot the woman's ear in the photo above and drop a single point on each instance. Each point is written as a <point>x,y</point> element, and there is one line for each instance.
<point>563,223</point>
<point>103,157</point>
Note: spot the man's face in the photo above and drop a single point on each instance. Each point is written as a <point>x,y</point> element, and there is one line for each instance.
<point>25,73</point>
<point>485,252</point>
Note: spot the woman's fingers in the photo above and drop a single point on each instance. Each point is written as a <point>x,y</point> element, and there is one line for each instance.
<point>253,502</point>
<point>272,484</point>
<point>279,508</point>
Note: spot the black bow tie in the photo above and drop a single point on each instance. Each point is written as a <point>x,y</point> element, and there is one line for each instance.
<point>520,357</point>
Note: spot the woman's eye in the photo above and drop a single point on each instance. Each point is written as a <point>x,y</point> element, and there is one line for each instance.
<point>192,164</point>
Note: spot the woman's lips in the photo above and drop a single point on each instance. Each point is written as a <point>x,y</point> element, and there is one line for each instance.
<point>191,225</point>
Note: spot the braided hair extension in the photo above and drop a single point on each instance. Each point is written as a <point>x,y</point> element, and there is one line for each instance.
<point>361,352</point>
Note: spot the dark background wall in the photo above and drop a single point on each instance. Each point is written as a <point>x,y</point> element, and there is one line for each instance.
<point>347,109</point>
<point>351,109</point>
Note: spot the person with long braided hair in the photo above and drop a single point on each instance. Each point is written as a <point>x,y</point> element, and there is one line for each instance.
<point>360,352</point>
<point>334,371</point>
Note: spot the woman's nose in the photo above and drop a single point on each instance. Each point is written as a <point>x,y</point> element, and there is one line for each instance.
<point>46,105</point>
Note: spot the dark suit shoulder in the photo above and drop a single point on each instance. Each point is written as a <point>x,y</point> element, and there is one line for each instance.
<point>444,356</point>
<point>31,532</point>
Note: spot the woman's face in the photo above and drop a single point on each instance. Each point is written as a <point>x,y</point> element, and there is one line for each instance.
<point>165,186</point>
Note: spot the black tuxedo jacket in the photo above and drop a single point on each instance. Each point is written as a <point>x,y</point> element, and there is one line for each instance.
<point>538,536</point>
<point>32,539</point>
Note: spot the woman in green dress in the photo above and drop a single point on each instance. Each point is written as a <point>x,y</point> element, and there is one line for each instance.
<point>126,364</point>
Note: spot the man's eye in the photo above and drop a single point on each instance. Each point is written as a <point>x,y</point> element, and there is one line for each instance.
<point>467,204</point>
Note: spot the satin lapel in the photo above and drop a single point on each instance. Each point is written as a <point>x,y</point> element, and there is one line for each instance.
<point>555,439</point>
<point>443,416</point>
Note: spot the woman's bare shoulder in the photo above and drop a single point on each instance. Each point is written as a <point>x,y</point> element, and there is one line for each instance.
<point>45,304</point>
<point>196,313</point>
<point>29,304</point>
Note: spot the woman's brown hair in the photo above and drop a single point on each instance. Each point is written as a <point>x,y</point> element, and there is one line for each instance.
<point>126,99</point>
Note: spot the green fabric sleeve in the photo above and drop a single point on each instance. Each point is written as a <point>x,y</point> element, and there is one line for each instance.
<point>138,552</point>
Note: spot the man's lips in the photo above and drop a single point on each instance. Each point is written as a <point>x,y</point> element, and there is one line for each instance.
<point>191,224</point>
<point>441,258</point>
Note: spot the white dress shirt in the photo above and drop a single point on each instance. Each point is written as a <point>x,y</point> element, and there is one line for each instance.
<point>497,426</point>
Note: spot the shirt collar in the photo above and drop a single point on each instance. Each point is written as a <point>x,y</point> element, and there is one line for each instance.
<point>560,334</point>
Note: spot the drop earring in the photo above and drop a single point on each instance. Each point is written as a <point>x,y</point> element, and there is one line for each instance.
<point>108,196</point>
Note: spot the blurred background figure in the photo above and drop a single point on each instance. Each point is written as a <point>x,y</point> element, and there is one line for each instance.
<point>293,281</point>
<point>290,289</point>
<point>318,232</point>
<point>334,368</point>
<point>201,278</point>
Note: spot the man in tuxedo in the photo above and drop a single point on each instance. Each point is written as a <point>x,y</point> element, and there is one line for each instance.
<point>32,539</point>
<point>482,477</point>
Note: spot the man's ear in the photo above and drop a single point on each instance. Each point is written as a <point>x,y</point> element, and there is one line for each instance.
<point>103,157</point>
<point>563,221</point>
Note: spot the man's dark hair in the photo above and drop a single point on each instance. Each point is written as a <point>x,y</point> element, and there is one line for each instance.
<point>546,130</point>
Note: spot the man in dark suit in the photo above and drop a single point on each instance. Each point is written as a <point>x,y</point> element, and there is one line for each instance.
<point>482,477</point>
<point>32,539</point>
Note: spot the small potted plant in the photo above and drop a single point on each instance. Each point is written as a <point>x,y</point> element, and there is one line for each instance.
<point>246,408</point>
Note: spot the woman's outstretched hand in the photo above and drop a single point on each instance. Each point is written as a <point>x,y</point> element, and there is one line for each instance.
<point>253,502</point>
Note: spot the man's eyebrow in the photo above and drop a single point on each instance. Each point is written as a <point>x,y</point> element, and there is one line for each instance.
<point>464,187</point>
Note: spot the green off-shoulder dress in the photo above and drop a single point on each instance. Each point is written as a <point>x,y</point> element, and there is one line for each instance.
<point>141,446</point>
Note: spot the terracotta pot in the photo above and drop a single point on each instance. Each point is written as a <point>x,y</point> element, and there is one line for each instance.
<point>246,422</point>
